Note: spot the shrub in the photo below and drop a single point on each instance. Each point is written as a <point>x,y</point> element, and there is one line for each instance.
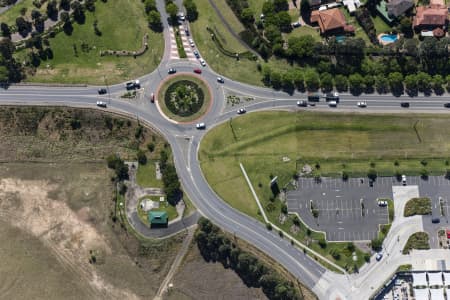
<point>372,174</point>
<point>418,206</point>
<point>322,243</point>
<point>344,175</point>
<point>141,157</point>
<point>151,147</point>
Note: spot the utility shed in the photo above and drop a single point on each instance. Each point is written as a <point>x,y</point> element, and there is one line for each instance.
<point>157,218</point>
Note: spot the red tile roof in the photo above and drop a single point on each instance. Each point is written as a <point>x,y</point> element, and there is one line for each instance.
<point>328,19</point>
<point>432,15</point>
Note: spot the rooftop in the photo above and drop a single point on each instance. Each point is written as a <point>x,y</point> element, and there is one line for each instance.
<point>329,19</point>
<point>157,217</point>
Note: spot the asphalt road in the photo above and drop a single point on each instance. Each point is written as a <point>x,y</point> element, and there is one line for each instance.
<point>325,284</point>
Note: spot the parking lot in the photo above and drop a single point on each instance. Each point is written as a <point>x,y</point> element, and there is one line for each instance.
<point>347,210</point>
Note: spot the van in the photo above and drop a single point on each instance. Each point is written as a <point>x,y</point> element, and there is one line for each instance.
<point>332,104</point>
<point>313,97</point>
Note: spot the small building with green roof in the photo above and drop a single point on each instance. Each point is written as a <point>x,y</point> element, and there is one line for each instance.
<point>158,218</point>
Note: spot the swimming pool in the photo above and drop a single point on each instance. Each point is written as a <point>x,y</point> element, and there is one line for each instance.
<point>389,38</point>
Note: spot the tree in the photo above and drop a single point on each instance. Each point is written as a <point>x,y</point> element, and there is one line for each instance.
<point>298,80</point>
<point>90,5</point>
<point>141,157</point>
<point>356,82</point>
<point>312,80</point>
<point>372,174</point>
<point>23,26</point>
<point>341,83</point>
<point>280,5</point>
<point>326,82</point>
<point>154,20</point>
<point>438,81</point>
<point>78,12</point>
<point>284,21</point>
<point>65,5</point>
<point>35,14</point>
<point>275,79</point>
<point>65,16</point>
<point>247,16</point>
<point>423,82</point>
<point>302,47</point>
<point>273,34</point>
<point>406,27</point>
<point>6,31</point>
<point>369,82</point>
<point>52,10</point>
<point>396,83</point>
<point>381,84</point>
<point>191,10</point>
<point>150,5</point>
<point>287,81</point>
<point>376,244</point>
<point>172,10</point>
<point>411,83</point>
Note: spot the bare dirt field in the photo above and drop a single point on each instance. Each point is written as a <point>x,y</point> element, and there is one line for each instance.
<point>55,217</point>
<point>197,279</point>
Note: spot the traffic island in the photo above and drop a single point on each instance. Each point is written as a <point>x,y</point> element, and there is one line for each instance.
<point>184,98</point>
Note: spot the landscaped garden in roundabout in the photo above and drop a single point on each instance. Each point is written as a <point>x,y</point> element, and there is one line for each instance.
<point>184,98</point>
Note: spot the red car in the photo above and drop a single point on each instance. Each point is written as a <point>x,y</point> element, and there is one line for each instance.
<point>198,71</point>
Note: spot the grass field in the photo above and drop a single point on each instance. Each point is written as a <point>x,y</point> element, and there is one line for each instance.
<point>146,175</point>
<point>9,16</point>
<point>333,142</point>
<point>304,30</point>
<point>122,29</point>
<point>175,78</point>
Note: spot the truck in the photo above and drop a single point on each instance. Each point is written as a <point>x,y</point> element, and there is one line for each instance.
<point>313,97</point>
<point>333,96</point>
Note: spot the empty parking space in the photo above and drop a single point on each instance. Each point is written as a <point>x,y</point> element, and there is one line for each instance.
<point>345,210</point>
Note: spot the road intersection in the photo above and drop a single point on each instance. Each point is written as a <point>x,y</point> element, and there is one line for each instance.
<point>326,284</point>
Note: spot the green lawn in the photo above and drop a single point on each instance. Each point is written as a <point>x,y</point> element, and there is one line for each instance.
<point>418,240</point>
<point>418,206</point>
<point>335,142</point>
<point>9,16</point>
<point>304,30</point>
<point>359,31</point>
<point>146,175</point>
<point>122,29</point>
<point>380,25</point>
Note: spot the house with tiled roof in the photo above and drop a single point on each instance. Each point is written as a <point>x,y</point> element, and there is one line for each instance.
<point>330,21</point>
<point>396,8</point>
<point>431,16</point>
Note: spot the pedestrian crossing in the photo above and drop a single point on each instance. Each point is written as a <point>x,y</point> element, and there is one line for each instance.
<point>185,41</point>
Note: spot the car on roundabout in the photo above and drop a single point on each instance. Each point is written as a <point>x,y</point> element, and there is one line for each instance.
<point>102,91</point>
<point>197,71</point>
<point>202,62</point>
<point>200,125</point>
<point>220,80</point>
<point>172,71</point>
<point>241,111</point>
<point>101,104</point>
<point>152,98</point>
<point>362,104</point>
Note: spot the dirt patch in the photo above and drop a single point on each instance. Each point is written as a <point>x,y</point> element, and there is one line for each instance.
<point>62,219</point>
<point>197,279</point>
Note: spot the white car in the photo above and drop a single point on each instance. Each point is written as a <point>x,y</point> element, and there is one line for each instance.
<point>220,80</point>
<point>403,179</point>
<point>362,104</point>
<point>191,42</point>
<point>332,104</point>
<point>241,111</point>
<point>202,62</point>
<point>200,126</point>
<point>101,104</point>
<point>181,16</point>
<point>382,203</point>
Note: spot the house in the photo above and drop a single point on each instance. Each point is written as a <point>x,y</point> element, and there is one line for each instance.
<point>396,8</point>
<point>158,218</point>
<point>330,21</point>
<point>431,16</point>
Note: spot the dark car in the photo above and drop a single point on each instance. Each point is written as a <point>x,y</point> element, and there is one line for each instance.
<point>197,55</point>
<point>152,98</point>
<point>197,71</point>
<point>404,104</point>
<point>130,85</point>
<point>172,71</point>
<point>435,220</point>
<point>447,105</point>
<point>102,91</point>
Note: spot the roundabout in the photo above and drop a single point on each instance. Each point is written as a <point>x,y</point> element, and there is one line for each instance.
<point>184,98</point>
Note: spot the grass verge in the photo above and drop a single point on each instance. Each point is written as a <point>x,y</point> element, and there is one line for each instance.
<point>180,47</point>
<point>77,56</point>
<point>418,206</point>
<point>146,175</point>
<point>418,240</point>
<point>199,82</point>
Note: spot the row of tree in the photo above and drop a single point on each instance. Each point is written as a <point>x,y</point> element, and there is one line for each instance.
<point>153,15</point>
<point>172,187</point>
<point>215,246</point>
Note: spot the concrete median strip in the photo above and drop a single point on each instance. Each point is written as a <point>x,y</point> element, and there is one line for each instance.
<point>301,245</point>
